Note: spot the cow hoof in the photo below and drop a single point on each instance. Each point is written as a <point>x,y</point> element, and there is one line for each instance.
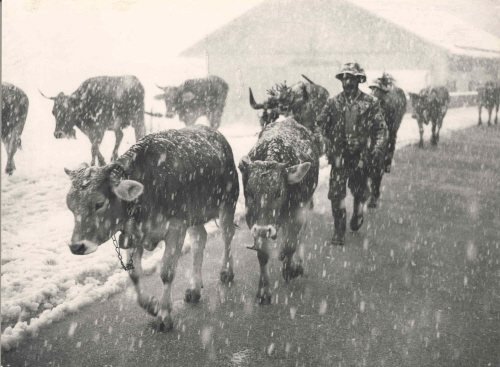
<point>263,299</point>
<point>163,325</point>
<point>226,276</point>
<point>293,272</point>
<point>9,171</point>
<point>192,295</point>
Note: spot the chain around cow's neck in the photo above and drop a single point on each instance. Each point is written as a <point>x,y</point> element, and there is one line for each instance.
<point>130,264</point>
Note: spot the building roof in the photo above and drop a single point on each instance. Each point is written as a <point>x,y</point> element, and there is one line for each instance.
<point>270,24</point>
<point>436,26</point>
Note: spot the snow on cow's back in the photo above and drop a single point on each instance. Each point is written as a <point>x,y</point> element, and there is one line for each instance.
<point>286,141</point>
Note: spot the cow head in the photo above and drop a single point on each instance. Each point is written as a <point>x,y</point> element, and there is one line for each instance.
<point>270,111</point>
<point>267,189</point>
<point>293,100</point>
<point>420,108</point>
<point>174,98</point>
<point>98,199</point>
<point>65,111</point>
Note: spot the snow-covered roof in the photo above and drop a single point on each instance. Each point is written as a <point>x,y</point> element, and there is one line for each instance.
<point>435,26</point>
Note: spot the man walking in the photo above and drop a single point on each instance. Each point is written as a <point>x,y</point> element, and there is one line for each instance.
<point>355,127</point>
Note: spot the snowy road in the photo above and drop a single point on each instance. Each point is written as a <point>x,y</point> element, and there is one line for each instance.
<point>41,280</point>
<point>416,286</point>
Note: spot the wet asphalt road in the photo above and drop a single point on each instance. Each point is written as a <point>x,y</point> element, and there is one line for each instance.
<point>393,296</point>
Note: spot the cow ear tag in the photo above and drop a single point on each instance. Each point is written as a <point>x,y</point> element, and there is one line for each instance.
<point>296,173</point>
<point>129,190</point>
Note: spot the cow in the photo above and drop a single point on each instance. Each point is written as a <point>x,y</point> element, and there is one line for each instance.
<point>195,98</point>
<point>280,175</point>
<point>393,102</point>
<point>431,104</point>
<point>489,97</point>
<point>15,105</point>
<point>99,104</point>
<point>163,185</point>
<point>302,101</point>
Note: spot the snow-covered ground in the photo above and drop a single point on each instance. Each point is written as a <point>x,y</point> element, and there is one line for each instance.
<point>54,46</point>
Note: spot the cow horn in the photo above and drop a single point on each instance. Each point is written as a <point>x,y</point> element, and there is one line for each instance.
<point>306,78</point>
<point>52,98</point>
<point>162,88</point>
<point>255,106</point>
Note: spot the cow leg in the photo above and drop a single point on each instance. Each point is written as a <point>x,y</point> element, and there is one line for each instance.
<point>434,138</point>
<point>119,137</point>
<point>139,126</point>
<point>11,144</point>
<point>490,110</point>
<point>479,122</point>
<point>226,219</point>
<point>263,254</point>
<point>496,113</point>
<point>421,131</point>
<point>95,140</point>
<point>173,248</point>
<point>215,119</point>
<point>193,294</point>
<point>292,262</point>
<point>150,304</point>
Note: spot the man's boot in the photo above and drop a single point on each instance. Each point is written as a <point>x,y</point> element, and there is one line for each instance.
<point>357,215</point>
<point>339,226</point>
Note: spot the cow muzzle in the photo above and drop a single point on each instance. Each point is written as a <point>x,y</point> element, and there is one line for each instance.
<point>83,247</point>
<point>264,231</point>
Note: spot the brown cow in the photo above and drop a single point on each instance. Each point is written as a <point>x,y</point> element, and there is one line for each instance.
<point>163,185</point>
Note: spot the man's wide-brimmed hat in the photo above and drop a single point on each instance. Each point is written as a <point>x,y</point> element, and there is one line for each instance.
<point>352,68</point>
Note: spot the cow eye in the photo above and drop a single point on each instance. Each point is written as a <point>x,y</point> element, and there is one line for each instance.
<point>99,205</point>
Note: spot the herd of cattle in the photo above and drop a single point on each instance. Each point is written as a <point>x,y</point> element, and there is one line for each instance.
<point>175,181</point>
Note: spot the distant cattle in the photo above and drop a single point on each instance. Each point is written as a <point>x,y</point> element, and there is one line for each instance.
<point>431,104</point>
<point>280,175</point>
<point>195,98</point>
<point>99,104</point>
<point>163,185</point>
<point>15,106</point>
<point>393,102</point>
<point>489,97</point>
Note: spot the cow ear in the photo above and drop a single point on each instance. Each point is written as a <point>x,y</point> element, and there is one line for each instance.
<point>413,96</point>
<point>70,173</point>
<point>245,161</point>
<point>128,190</point>
<point>159,97</point>
<point>295,174</point>
<point>187,97</point>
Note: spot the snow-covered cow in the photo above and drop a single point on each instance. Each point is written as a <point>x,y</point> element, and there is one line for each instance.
<point>99,104</point>
<point>195,98</point>
<point>15,106</point>
<point>280,175</point>
<point>163,185</point>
